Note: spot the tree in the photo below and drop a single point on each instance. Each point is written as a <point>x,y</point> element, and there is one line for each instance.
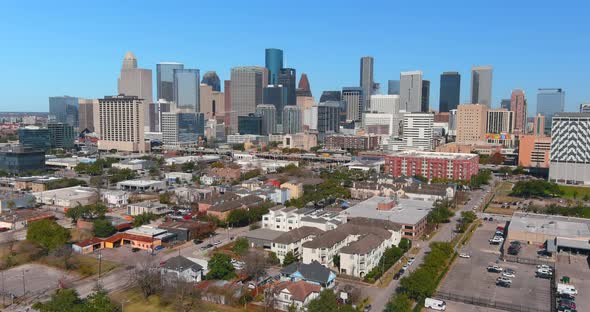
<point>336,261</point>
<point>217,164</point>
<point>100,302</point>
<point>48,234</point>
<point>165,198</point>
<point>62,300</point>
<point>289,258</point>
<point>147,278</point>
<point>586,197</point>
<point>103,228</point>
<point>255,264</point>
<point>399,303</point>
<point>327,302</point>
<point>143,218</point>
<point>575,194</point>
<point>405,244</point>
<point>241,245</point>
<point>64,252</point>
<point>87,212</point>
<point>496,159</point>
<point>220,267</point>
<point>238,217</point>
<point>273,259</point>
<point>182,295</point>
<point>11,204</point>
<point>188,166</point>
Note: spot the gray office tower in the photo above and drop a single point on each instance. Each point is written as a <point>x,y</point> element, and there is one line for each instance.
<point>64,109</point>
<point>165,79</point>
<point>450,91</point>
<point>328,119</point>
<point>276,95</point>
<point>330,96</point>
<point>268,113</point>
<point>210,78</point>
<point>353,99</point>
<point>246,89</point>
<point>393,87</point>
<point>186,90</point>
<point>425,96</point>
<point>292,119</point>
<point>411,91</point>
<point>366,81</point>
<point>481,85</point>
<point>505,104</point>
<point>273,61</point>
<point>549,102</point>
<point>288,78</point>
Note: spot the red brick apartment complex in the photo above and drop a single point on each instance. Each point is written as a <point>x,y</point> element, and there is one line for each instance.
<point>455,166</point>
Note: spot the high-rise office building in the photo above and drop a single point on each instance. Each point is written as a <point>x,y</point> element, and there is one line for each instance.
<point>539,125</point>
<point>230,116</point>
<point>288,78</point>
<point>393,87</point>
<point>331,96</point>
<point>505,104</point>
<point>450,91</point>
<point>518,106</point>
<point>570,148</point>
<point>411,91</point>
<point>87,110</point>
<point>64,109</point>
<point>549,102</point>
<point>388,104</point>
<point>327,118</point>
<point>246,89</point>
<point>182,128</point>
<point>353,98</point>
<point>122,123</point>
<point>366,82</point>
<point>207,101</point>
<point>250,124</point>
<point>134,81</point>
<point>186,90</point>
<point>471,123</point>
<point>165,79</point>
<point>425,107</point>
<point>292,119</point>
<point>268,113</point>
<point>303,88</point>
<point>585,108</point>
<point>481,85</point>
<point>276,95</point>
<point>500,121</point>
<point>33,137</point>
<point>210,78</point>
<point>156,110</point>
<point>218,105</point>
<point>273,61</point>
<point>417,131</point>
<point>453,122</point>
<point>61,135</point>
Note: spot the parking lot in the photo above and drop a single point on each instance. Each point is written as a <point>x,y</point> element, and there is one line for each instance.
<point>34,279</point>
<point>576,268</point>
<point>468,279</point>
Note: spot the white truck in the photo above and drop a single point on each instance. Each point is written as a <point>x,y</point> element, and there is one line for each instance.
<point>566,289</point>
<point>435,304</point>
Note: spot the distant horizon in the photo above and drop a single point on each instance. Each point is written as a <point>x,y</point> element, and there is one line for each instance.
<point>81,55</point>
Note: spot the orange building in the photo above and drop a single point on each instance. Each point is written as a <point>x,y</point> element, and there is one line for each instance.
<point>471,123</point>
<point>534,151</point>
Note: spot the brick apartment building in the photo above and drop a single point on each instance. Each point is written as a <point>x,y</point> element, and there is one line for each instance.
<point>357,142</point>
<point>430,165</point>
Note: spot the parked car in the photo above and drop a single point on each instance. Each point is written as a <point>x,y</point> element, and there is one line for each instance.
<point>405,267</point>
<point>215,243</point>
<point>135,249</point>
<point>503,283</point>
<point>495,269</point>
<point>4,229</point>
<point>197,241</point>
<point>435,304</point>
<point>566,304</point>
<point>509,273</point>
<point>411,260</point>
<point>545,275</point>
<point>464,255</point>
<point>566,296</point>
<point>504,279</point>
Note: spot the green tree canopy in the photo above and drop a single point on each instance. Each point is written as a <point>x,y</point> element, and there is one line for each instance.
<point>48,234</point>
<point>103,228</point>
<point>327,302</point>
<point>241,245</point>
<point>68,300</point>
<point>399,303</point>
<point>220,267</point>
<point>289,258</point>
<point>87,212</point>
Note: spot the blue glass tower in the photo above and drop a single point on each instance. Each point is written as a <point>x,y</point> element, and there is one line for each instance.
<point>450,90</point>
<point>273,61</point>
<point>186,89</point>
<point>64,109</point>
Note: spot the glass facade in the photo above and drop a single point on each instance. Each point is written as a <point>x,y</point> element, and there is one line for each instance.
<point>287,78</point>
<point>250,124</point>
<point>19,160</point>
<point>186,89</point>
<point>64,109</point>
<point>35,138</point>
<point>275,95</point>
<point>190,127</point>
<point>273,60</point>
<point>450,89</point>
<point>62,135</point>
<point>393,87</point>
<point>549,102</point>
<point>165,80</point>
<point>210,78</point>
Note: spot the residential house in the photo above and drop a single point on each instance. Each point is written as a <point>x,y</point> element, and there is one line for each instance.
<point>147,207</point>
<point>180,268</point>
<point>291,241</point>
<point>281,218</point>
<point>295,294</point>
<point>295,188</point>
<point>313,273</point>
<point>114,198</point>
<point>222,210</point>
<point>19,219</point>
<point>88,246</point>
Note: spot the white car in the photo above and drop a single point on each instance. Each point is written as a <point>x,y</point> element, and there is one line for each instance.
<point>411,261</point>
<point>464,255</point>
<point>544,266</point>
<point>405,267</point>
<point>504,279</point>
<point>508,274</point>
<point>216,243</point>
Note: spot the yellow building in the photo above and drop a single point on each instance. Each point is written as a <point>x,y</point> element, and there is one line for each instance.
<point>295,188</point>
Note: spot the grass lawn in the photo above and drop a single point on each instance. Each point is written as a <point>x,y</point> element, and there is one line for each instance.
<point>569,190</point>
<point>133,301</point>
<point>504,188</point>
<point>81,264</point>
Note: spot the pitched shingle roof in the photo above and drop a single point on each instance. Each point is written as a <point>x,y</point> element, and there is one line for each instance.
<point>299,290</point>
<point>180,263</point>
<point>297,235</point>
<point>330,238</point>
<point>314,272</point>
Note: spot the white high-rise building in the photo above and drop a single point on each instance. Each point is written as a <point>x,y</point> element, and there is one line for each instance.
<point>379,123</point>
<point>388,104</point>
<point>411,91</point>
<point>417,131</point>
<point>122,123</point>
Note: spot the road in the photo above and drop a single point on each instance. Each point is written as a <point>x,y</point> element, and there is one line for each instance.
<point>445,233</point>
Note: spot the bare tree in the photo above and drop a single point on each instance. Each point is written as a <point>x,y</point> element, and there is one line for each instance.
<point>270,299</point>
<point>65,253</point>
<point>255,265</point>
<point>146,277</point>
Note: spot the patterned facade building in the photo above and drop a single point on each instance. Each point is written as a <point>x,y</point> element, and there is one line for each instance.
<point>570,148</point>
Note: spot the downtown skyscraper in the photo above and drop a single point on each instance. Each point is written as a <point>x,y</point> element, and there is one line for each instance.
<point>165,80</point>
<point>247,83</point>
<point>411,91</point>
<point>186,90</point>
<point>134,81</point>
<point>64,109</point>
<point>288,78</point>
<point>519,107</point>
<point>366,81</point>
<point>481,85</point>
<point>549,102</point>
<point>450,91</point>
<point>273,61</point>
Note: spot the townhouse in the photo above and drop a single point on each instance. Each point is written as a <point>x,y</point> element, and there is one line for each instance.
<point>293,240</point>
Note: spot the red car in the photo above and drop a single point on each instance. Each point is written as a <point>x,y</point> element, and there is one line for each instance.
<point>4,229</point>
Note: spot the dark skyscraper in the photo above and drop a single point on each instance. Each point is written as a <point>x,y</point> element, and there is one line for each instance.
<point>331,96</point>
<point>165,80</point>
<point>425,96</point>
<point>393,87</point>
<point>366,81</point>
<point>288,78</point>
<point>210,78</point>
<point>276,95</point>
<point>505,104</point>
<point>303,89</point>
<point>64,109</point>
<point>450,90</point>
<point>273,60</point>
<point>250,124</point>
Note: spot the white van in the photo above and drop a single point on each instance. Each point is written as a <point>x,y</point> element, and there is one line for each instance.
<point>566,289</point>
<point>435,304</point>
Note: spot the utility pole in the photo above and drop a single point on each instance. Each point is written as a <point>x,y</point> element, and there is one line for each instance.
<point>99,263</point>
<point>24,287</point>
<point>3,291</point>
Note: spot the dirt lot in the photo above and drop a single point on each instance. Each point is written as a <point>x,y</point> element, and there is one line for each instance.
<point>37,279</point>
<point>576,267</point>
<point>463,307</point>
<point>469,279</point>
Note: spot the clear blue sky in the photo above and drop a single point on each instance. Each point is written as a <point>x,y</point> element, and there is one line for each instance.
<point>76,47</point>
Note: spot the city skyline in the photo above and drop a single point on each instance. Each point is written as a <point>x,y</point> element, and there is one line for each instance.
<point>326,70</point>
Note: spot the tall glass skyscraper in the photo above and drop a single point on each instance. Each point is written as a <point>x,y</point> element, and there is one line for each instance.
<point>210,78</point>
<point>425,96</point>
<point>273,61</point>
<point>481,85</point>
<point>549,102</point>
<point>288,78</point>
<point>276,95</point>
<point>64,109</point>
<point>366,81</point>
<point>450,91</point>
<point>186,89</point>
<point>393,87</point>
<point>165,79</point>
<point>190,126</point>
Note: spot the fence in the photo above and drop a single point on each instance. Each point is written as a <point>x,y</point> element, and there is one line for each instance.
<point>488,303</point>
<point>533,261</point>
